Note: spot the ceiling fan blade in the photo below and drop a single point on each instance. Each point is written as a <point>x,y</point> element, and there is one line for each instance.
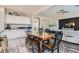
<point>65,11</point>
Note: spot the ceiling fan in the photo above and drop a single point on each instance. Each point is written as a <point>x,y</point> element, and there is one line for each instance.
<point>62,11</point>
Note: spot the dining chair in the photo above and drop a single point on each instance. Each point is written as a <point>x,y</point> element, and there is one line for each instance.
<point>34,42</point>
<point>54,43</point>
<point>47,30</point>
<point>4,43</point>
<point>27,38</point>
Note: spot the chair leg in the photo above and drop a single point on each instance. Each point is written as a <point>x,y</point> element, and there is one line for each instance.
<point>39,47</point>
<point>52,50</point>
<point>32,48</point>
<point>43,48</point>
<point>58,49</point>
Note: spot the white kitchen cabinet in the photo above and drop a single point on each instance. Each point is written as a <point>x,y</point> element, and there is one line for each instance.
<point>71,36</point>
<point>72,39</point>
<point>17,20</point>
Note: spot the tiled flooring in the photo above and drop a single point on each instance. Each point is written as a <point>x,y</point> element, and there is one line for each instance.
<point>66,47</point>
<point>18,46</point>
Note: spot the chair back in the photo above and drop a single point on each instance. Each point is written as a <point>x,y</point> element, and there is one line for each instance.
<point>31,37</point>
<point>47,30</point>
<point>58,38</point>
<point>53,32</point>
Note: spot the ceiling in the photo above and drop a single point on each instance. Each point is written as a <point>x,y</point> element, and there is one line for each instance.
<point>52,11</point>
<point>42,10</point>
<point>29,10</point>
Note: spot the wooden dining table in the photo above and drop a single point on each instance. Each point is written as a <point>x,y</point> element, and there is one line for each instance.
<point>42,38</point>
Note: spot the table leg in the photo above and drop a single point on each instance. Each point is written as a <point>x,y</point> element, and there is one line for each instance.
<point>41,45</point>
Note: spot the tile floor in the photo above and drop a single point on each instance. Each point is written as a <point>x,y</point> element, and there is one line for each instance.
<point>18,46</point>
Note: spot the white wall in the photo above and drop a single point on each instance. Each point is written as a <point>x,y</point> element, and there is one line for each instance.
<point>2,11</point>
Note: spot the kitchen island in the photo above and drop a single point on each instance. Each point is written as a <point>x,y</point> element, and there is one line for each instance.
<point>14,33</point>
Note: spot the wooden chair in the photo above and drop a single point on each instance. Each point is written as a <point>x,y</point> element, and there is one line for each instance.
<point>55,43</point>
<point>4,44</point>
<point>34,43</point>
<point>1,49</point>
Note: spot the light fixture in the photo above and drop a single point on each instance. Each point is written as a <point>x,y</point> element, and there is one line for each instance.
<point>21,9</point>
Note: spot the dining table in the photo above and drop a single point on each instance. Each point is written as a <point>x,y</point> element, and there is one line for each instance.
<point>43,37</point>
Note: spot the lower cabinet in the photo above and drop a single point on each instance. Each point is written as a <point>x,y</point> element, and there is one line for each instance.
<point>71,39</point>
<point>71,36</point>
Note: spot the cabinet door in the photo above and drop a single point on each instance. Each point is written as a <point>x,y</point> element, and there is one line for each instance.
<point>1,19</point>
<point>17,20</point>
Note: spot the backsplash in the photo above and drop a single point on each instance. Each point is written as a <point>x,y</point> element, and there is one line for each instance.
<point>15,26</point>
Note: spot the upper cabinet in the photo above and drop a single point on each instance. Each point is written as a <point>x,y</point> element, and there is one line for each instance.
<point>10,19</point>
<point>2,14</point>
